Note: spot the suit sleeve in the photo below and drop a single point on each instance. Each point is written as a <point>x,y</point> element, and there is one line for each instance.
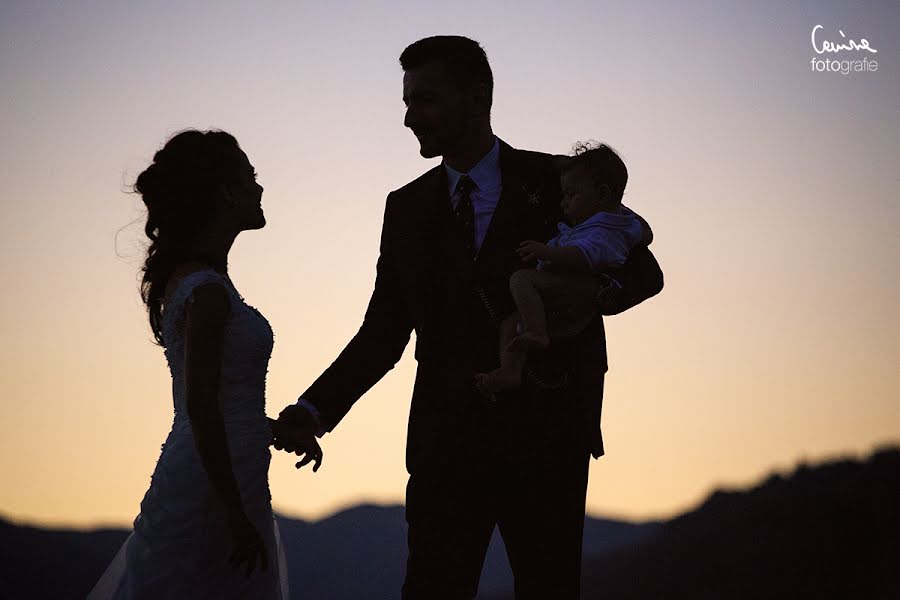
<point>591,367</point>
<point>376,347</point>
<point>640,278</point>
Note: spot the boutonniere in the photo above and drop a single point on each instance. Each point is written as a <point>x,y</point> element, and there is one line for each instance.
<point>534,196</point>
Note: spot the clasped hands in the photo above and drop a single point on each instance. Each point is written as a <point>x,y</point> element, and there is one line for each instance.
<point>295,432</point>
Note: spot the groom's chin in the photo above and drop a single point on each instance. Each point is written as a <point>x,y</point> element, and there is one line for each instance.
<point>428,148</point>
<point>429,151</point>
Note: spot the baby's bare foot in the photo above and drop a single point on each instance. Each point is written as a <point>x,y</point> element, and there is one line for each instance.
<point>482,383</point>
<point>528,340</point>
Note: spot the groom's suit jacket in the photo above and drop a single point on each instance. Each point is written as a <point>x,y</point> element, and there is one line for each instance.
<point>425,282</point>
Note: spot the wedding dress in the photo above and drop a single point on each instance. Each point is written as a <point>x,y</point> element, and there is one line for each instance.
<point>180,544</point>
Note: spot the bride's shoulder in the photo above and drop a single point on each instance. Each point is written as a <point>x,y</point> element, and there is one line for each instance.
<point>181,272</point>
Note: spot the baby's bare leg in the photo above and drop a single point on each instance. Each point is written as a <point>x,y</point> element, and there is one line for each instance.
<point>509,375</point>
<point>568,299</point>
<point>524,286</point>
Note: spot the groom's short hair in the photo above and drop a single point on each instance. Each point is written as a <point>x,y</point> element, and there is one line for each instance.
<point>464,59</point>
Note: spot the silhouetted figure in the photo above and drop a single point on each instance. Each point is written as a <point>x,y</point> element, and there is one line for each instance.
<point>205,528</point>
<point>448,248</point>
<point>559,296</point>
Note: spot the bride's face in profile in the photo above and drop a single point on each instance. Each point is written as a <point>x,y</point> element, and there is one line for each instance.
<point>243,198</point>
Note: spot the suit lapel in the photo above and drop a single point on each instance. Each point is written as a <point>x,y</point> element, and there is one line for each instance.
<point>433,199</point>
<point>436,242</point>
<point>505,209</point>
<point>514,219</point>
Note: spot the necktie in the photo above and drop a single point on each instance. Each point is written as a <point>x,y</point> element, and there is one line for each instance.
<point>465,213</point>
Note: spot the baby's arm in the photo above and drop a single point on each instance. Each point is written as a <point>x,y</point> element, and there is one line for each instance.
<point>556,258</point>
<point>565,258</point>
<point>575,258</point>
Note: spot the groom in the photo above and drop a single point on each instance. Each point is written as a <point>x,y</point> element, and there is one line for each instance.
<point>448,247</point>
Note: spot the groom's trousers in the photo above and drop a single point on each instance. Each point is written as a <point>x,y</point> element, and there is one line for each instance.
<point>522,466</point>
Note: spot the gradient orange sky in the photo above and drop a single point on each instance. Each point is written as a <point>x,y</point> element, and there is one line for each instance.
<point>773,192</point>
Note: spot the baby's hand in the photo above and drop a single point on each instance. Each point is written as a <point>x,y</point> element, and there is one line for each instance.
<point>530,250</point>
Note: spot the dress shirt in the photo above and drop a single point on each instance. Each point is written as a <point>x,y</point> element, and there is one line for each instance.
<point>486,194</point>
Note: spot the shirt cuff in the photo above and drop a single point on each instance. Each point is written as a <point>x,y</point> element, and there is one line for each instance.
<point>303,403</point>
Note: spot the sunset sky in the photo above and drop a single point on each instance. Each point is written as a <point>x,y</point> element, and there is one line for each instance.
<point>773,192</point>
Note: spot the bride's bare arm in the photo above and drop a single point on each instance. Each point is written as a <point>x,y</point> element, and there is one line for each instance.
<point>204,337</point>
<point>203,346</point>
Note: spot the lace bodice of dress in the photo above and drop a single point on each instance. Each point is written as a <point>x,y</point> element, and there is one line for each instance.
<point>248,343</point>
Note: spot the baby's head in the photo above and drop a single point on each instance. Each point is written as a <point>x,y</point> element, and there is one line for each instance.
<point>592,180</point>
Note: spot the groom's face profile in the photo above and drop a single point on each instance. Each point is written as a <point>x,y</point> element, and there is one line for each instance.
<point>436,109</point>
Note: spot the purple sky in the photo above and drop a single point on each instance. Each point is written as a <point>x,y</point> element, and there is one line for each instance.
<point>772,190</point>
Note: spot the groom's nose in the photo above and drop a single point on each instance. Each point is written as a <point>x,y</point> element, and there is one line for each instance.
<point>413,117</point>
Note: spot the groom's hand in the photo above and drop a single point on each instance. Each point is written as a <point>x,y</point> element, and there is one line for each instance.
<point>295,432</point>
<point>646,231</point>
<point>531,250</point>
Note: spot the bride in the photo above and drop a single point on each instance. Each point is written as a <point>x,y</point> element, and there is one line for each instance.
<point>205,528</point>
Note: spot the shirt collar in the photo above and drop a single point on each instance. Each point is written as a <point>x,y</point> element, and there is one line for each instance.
<point>485,174</point>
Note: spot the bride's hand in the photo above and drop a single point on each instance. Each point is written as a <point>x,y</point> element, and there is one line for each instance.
<point>293,437</point>
<point>248,544</point>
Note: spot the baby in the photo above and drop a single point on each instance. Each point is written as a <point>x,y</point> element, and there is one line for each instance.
<point>599,235</point>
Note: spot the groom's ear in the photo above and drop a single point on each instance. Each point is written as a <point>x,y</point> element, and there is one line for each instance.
<point>481,99</point>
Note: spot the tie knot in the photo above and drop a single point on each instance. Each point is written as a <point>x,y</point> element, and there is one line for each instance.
<point>465,185</point>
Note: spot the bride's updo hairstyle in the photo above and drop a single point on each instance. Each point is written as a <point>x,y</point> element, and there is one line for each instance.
<point>182,190</point>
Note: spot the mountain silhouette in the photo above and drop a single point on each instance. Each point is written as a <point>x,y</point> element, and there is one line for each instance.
<point>359,553</point>
<point>45,563</point>
<point>830,531</point>
<point>826,531</point>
